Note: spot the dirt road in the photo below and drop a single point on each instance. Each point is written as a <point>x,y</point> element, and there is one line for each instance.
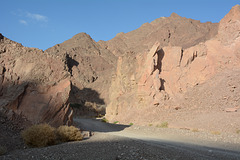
<point>124,142</point>
<point>195,145</point>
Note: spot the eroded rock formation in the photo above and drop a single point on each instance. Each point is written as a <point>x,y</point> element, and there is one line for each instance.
<point>33,84</point>
<point>161,77</point>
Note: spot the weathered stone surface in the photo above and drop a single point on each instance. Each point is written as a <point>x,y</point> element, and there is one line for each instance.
<point>229,27</point>
<point>34,85</point>
<point>46,104</point>
<point>166,73</point>
<point>90,66</point>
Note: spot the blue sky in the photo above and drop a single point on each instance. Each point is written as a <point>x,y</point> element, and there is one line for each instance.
<point>45,23</point>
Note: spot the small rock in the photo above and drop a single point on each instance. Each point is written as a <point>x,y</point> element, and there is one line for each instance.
<point>231,109</point>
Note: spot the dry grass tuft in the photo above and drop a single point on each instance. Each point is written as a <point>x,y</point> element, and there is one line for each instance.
<point>163,125</point>
<point>39,135</point>
<point>216,132</point>
<point>195,130</point>
<point>66,133</point>
<point>238,131</point>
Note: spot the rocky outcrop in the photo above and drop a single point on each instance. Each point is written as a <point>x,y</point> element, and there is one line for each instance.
<point>33,84</point>
<point>229,26</point>
<point>90,66</point>
<point>162,76</point>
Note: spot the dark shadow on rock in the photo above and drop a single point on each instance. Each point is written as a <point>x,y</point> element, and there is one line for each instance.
<point>162,88</point>
<point>86,102</point>
<point>70,63</point>
<point>160,54</point>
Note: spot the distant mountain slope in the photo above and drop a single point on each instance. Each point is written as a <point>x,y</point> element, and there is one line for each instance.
<point>173,31</point>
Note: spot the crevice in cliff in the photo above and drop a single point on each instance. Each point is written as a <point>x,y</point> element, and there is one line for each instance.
<point>70,63</point>
<point>181,57</point>
<point>162,87</point>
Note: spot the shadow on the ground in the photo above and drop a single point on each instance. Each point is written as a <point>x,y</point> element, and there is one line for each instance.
<point>106,146</point>
<point>96,125</point>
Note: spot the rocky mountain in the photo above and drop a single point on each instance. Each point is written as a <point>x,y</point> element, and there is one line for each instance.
<point>168,31</point>
<point>91,68</point>
<point>165,70</point>
<point>33,84</point>
<point>171,82</point>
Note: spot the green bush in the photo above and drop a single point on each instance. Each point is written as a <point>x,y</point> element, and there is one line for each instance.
<point>115,122</point>
<point>104,120</point>
<point>66,133</point>
<point>39,135</point>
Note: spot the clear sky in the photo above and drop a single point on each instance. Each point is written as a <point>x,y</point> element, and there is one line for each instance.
<point>44,23</point>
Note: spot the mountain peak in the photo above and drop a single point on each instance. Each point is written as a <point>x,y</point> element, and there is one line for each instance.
<point>175,15</point>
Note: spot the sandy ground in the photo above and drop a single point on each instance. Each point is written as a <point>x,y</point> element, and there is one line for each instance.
<point>115,142</point>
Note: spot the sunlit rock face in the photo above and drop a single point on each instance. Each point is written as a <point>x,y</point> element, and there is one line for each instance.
<point>149,79</point>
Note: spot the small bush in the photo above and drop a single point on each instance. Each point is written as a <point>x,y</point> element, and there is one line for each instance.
<point>215,132</point>
<point>3,150</point>
<point>164,125</point>
<point>105,120</point>
<point>39,135</point>
<point>150,124</point>
<point>130,124</point>
<point>195,130</point>
<point>116,122</point>
<point>238,131</point>
<point>66,134</point>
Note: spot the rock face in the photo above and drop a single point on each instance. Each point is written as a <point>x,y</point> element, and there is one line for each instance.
<point>91,68</point>
<point>33,84</point>
<point>147,82</point>
<point>41,85</point>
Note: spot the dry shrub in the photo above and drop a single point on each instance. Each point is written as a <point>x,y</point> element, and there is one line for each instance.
<point>66,133</point>
<point>39,135</point>
<point>216,132</point>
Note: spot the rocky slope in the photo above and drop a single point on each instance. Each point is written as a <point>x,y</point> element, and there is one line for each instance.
<point>91,68</point>
<point>174,31</point>
<point>33,84</point>
<point>153,86</point>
